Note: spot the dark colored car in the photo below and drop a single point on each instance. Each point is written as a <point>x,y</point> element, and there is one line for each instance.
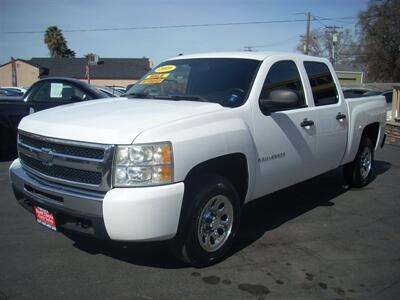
<point>389,98</point>
<point>355,92</point>
<point>387,94</point>
<point>43,94</point>
<point>9,92</point>
<point>109,91</point>
<point>16,90</point>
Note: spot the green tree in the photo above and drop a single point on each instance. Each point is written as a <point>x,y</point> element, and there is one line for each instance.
<point>56,43</point>
<point>380,40</point>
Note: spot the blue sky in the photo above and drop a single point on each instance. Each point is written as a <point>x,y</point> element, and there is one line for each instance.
<point>160,44</point>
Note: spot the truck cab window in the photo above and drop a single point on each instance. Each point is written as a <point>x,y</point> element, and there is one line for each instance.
<point>283,76</point>
<point>323,87</point>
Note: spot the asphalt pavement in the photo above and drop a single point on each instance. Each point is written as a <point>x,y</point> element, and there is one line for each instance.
<point>316,240</point>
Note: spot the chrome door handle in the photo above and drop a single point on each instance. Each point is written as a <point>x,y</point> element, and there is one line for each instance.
<point>340,117</point>
<point>306,123</point>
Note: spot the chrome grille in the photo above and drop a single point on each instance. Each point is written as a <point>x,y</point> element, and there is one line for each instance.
<point>66,173</point>
<point>62,149</point>
<point>70,163</point>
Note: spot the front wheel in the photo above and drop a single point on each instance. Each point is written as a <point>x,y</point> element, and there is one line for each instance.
<point>212,223</point>
<point>358,173</point>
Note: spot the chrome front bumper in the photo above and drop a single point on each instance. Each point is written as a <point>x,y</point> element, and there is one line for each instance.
<point>124,214</point>
<point>76,210</point>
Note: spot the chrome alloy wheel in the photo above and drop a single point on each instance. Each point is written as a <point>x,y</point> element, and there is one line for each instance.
<point>215,223</point>
<point>365,162</point>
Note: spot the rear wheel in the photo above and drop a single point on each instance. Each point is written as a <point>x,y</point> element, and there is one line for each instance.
<point>358,173</point>
<point>211,224</point>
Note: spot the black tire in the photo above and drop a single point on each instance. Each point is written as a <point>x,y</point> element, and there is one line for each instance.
<point>356,174</point>
<point>186,245</point>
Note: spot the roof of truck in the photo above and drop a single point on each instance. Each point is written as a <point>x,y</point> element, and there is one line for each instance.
<point>240,54</point>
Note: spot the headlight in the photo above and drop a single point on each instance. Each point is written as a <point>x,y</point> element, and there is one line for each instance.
<point>143,165</point>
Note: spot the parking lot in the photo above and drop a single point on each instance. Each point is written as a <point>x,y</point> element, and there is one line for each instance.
<point>316,240</point>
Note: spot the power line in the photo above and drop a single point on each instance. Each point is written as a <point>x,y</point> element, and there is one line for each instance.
<point>250,48</point>
<point>316,18</point>
<point>175,26</point>
<point>336,20</point>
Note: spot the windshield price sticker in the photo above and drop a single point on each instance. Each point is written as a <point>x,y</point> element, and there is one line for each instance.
<point>152,81</point>
<point>157,76</point>
<point>164,69</point>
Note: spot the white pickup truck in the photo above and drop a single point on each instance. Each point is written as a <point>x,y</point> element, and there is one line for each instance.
<point>193,141</point>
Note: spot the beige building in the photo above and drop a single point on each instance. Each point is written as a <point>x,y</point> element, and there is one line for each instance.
<point>26,74</point>
<point>349,75</point>
<point>108,71</point>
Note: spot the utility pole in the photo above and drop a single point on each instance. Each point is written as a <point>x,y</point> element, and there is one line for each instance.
<point>334,35</point>
<point>308,33</point>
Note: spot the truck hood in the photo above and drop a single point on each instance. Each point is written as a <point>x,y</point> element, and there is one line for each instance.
<point>111,121</point>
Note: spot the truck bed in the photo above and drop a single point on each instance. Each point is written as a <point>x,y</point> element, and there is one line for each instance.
<point>362,110</point>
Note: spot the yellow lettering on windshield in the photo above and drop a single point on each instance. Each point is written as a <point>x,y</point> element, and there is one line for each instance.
<point>151,81</point>
<point>157,76</point>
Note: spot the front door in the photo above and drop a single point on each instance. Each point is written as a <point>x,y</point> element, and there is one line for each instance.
<point>285,137</point>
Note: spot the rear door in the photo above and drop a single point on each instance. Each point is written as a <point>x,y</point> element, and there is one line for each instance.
<point>331,119</point>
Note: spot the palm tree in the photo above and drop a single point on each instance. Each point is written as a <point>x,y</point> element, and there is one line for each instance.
<point>56,43</point>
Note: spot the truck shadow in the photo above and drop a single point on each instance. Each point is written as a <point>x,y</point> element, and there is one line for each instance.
<point>153,254</point>
<point>270,212</point>
<point>259,217</point>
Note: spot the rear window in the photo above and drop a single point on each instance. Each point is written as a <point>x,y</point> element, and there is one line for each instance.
<point>323,87</point>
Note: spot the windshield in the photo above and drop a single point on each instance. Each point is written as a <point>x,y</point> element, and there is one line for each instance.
<point>226,81</point>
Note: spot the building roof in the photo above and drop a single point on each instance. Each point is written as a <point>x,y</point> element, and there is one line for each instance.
<point>347,68</point>
<point>107,68</point>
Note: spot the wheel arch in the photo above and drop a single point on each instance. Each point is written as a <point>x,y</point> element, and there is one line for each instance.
<point>234,162</point>
<point>371,131</point>
<point>233,167</point>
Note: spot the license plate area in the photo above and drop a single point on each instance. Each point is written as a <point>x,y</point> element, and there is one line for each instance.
<point>44,217</point>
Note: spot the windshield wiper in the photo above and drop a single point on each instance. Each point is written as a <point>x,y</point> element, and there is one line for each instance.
<point>184,97</point>
<point>138,95</point>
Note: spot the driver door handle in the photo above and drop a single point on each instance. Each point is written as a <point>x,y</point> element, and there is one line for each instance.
<point>340,116</point>
<point>306,123</point>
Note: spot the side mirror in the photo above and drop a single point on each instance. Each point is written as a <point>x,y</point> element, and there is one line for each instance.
<point>280,99</point>
<point>75,98</point>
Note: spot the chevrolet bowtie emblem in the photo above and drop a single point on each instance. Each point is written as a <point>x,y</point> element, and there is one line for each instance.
<point>45,156</point>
